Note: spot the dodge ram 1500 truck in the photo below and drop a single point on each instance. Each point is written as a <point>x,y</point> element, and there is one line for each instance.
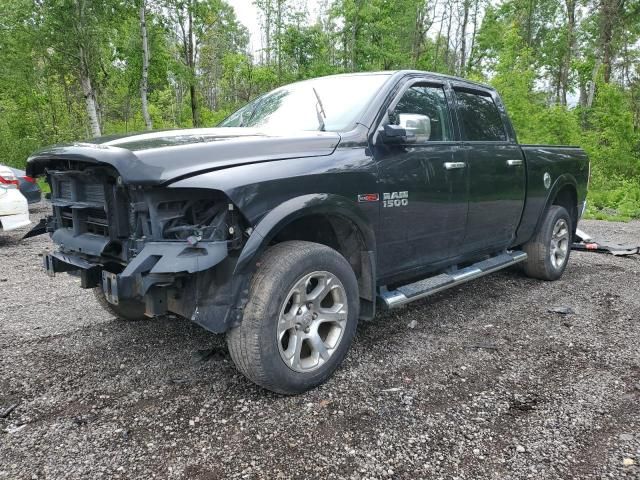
<point>308,208</point>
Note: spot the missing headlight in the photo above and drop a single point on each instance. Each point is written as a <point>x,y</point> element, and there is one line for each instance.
<point>202,218</point>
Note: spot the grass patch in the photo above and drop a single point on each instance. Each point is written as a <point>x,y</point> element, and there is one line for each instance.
<point>614,199</point>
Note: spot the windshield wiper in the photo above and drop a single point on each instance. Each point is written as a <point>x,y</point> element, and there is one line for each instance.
<point>320,111</point>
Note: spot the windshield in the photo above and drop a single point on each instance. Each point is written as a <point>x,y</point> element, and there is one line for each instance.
<point>329,103</point>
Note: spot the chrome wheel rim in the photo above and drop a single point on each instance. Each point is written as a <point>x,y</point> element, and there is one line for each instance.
<point>559,244</point>
<point>312,321</point>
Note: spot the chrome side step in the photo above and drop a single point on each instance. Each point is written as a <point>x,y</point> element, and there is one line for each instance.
<point>428,286</point>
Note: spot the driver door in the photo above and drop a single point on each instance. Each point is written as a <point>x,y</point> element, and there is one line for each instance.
<point>422,184</point>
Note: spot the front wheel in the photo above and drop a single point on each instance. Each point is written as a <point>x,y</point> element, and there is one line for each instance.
<point>300,318</point>
<point>548,251</point>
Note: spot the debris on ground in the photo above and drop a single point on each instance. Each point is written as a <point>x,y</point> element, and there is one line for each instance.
<point>7,411</point>
<point>15,428</point>
<point>562,310</point>
<point>587,243</point>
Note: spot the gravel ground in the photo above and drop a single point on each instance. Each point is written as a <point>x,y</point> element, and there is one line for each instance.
<point>480,382</point>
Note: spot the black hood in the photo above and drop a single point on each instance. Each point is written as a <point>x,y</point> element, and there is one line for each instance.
<point>160,157</point>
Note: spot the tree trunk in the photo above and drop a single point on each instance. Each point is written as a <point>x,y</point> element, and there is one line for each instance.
<point>191,62</point>
<point>592,86</point>
<point>565,66</point>
<point>89,96</point>
<point>463,37</point>
<point>279,37</point>
<point>418,36</point>
<point>88,92</point>
<point>195,109</point>
<point>354,34</point>
<point>144,82</point>
<point>531,10</point>
<point>473,35</point>
<point>448,45</point>
<point>267,32</point>
<point>583,95</point>
<point>610,15</point>
<point>438,39</point>
<point>606,36</point>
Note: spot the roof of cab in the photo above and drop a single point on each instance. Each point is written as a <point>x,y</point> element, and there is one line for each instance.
<point>402,73</point>
<point>443,76</point>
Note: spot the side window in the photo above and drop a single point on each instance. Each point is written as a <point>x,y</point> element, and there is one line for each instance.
<point>480,118</point>
<point>423,111</point>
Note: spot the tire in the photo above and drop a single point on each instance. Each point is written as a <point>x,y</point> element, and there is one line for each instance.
<point>128,310</point>
<point>549,250</point>
<point>300,318</point>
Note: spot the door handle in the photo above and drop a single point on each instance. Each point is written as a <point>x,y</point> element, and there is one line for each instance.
<point>514,163</point>
<point>454,165</point>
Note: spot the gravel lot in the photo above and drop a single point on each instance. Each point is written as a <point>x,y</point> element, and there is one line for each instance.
<point>488,384</point>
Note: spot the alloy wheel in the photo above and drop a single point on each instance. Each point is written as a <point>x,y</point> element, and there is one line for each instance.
<point>312,321</point>
<point>559,243</point>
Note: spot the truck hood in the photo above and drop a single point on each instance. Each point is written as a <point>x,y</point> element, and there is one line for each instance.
<point>164,156</point>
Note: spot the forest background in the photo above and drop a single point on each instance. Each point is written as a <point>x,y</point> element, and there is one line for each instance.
<point>568,70</point>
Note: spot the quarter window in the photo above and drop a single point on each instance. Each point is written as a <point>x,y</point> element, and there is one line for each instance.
<point>481,120</point>
<point>423,112</point>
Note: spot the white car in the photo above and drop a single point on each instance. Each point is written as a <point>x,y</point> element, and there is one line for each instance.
<point>14,210</point>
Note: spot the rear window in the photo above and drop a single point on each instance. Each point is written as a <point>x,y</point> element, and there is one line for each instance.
<point>480,117</point>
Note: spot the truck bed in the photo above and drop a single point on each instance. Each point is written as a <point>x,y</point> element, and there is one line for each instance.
<point>556,161</point>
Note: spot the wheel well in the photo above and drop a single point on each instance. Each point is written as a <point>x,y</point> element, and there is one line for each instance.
<point>341,234</point>
<point>568,198</point>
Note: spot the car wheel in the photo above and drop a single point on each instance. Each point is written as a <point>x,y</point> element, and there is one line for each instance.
<point>549,250</point>
<point>300,318</point>
<point>126,310</point>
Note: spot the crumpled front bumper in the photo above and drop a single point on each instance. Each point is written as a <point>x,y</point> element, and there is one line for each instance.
<point>147,276</point>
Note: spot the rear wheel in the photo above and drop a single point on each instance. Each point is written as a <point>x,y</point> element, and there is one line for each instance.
<point>300,318</point>
<point>126,310</point>
<point>548,251</point>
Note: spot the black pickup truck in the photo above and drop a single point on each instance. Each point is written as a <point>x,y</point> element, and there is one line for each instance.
<point>307,209</point>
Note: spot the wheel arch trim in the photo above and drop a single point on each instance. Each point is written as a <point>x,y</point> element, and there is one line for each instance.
<point>563,181</point>
<point>294,209</point>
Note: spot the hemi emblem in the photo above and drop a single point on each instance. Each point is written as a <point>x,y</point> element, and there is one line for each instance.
<point>368,197</point>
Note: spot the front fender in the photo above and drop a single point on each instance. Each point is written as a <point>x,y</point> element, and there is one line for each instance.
<point>293,209</point>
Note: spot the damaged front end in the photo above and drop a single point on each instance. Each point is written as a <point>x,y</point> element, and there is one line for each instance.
<point>150,244</point>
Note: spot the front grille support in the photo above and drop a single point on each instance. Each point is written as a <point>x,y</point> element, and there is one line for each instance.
<point>88,206</point>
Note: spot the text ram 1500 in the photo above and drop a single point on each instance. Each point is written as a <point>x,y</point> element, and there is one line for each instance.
<point>307,207</point>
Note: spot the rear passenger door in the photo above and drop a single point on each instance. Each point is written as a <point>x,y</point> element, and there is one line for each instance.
<point>496,171</point>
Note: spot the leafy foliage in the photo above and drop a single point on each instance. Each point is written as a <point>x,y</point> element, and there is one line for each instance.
<point>567,70</point>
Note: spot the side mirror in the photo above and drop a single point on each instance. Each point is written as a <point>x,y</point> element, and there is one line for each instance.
<point>416,125</point>
<point>395,134</point>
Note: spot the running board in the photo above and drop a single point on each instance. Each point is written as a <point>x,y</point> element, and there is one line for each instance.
<point>428,286</point>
